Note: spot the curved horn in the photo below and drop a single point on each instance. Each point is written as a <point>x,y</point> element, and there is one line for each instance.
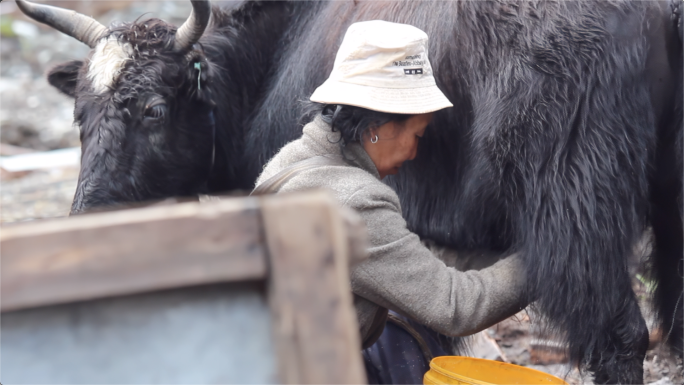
<point>74,24</point>
<point>193,28</point>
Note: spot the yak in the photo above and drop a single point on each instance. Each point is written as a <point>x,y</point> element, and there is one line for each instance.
<point>564,142</point>
<point>161,111</point>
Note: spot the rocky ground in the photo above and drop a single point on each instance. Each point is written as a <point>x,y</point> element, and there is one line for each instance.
<point>34,116</point>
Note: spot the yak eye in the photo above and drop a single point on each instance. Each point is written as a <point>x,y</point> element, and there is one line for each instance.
<point>155,112</point>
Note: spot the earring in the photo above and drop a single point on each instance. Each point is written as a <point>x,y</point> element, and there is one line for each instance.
<point>374,139</point>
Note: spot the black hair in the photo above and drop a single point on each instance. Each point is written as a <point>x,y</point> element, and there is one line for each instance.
<point>350,121</point>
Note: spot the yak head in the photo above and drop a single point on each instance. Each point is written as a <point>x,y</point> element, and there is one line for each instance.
<point>143,103</point>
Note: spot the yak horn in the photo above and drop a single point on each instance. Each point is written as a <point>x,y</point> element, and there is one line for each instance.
<point>193,28</point>
<point>81,27</point>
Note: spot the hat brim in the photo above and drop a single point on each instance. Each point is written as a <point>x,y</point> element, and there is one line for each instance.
<point>420,100</point>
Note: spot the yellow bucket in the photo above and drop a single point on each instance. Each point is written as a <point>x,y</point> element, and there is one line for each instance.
<point>476,371</point>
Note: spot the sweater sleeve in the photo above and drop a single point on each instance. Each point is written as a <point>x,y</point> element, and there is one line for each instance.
<point>403,275</point>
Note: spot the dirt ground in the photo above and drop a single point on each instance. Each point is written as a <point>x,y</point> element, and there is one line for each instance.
<point>35,116</point>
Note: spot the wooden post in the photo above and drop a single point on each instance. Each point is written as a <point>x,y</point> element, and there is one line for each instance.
<point>314,323</point>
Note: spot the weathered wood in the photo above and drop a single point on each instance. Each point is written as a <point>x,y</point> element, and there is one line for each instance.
<point>315,327</point>
<point>129,256</point>
<point>107,254</point>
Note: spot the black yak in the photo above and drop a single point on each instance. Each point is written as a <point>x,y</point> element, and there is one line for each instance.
<point>564,141</point>
<point>161,112</point>
<point>562,145</point>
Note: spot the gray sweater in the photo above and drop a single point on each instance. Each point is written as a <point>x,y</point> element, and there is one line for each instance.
<point>401,272</point>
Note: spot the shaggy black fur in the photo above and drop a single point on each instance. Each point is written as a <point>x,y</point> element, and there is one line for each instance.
<point>560,145</point>
<point>550,149</point>
<point>666,194</point>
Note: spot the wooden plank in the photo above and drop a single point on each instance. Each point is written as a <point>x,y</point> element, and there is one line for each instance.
<point>130,251</point>
<point>315,327</point>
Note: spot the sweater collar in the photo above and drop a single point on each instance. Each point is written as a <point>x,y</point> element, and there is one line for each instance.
<point>330,143</point>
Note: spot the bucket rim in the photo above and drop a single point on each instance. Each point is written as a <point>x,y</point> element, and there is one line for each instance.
<point>449,374</point>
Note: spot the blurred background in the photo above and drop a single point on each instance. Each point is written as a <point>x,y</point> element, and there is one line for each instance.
<point>39,158</point>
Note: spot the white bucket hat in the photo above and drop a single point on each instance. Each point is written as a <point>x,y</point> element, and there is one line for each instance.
<point>384,67</point>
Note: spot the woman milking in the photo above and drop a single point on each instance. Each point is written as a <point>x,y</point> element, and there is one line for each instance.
<point>370,116</point>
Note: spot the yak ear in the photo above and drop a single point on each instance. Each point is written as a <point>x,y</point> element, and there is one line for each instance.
<point>64,76</point>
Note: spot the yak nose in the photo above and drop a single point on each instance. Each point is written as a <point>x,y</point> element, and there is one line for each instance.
<point>77,206</point>
<point>80,204</point>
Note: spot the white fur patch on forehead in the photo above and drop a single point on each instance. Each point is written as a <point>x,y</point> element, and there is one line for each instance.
<point>107,62</point>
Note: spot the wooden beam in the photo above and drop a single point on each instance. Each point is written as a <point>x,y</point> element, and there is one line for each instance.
<point>130,251</point>
<point>314,322</point>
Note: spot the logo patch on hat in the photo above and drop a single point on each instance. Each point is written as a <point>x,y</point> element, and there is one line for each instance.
<point>413,71</point>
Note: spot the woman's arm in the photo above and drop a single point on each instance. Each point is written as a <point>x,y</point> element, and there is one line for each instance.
<point>403,275</point>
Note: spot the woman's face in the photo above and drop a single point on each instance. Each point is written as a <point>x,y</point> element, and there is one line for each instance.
<point>397,143</point>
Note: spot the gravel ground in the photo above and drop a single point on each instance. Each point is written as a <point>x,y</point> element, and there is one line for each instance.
<point>36,116</point>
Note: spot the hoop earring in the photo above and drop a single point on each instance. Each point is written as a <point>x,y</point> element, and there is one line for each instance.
<point>374,139</point>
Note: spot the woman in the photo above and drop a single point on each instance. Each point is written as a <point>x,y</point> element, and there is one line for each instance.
<point>374,109</point>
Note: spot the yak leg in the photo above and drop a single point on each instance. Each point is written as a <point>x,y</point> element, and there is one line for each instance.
<point>621,362</point>
<point>665,75</point>
<point>667,258</point>
<point>667,265</point>
<point>666,217</point>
